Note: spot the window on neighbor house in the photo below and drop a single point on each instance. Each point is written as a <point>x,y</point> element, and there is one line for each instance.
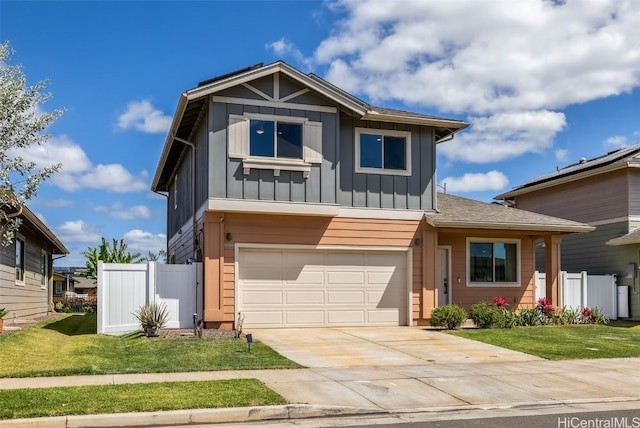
<point>493,263</point>
<point>275,139</point>
<point>383,151</point>
<point>19,259</point>
<point>57,288</point>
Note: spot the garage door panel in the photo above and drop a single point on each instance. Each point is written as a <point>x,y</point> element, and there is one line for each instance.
<point>383,317</point>
<point>261,258</point>
<point>346,317</point>
<point>306,276</point>
<point>305,297</point>
<point>253,297</point>
<point>345,259</point>
<point>266,318</point>
<point>322,288</point>
<point>346,297</point>
<point>304,258</point>
<point>345,277</point>
<point>305,318</point>
<point>261,276</point>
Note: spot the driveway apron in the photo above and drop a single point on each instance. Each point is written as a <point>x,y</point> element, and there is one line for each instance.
<point>390,368</point>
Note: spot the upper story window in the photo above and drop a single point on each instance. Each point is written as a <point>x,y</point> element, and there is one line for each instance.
<point>381,151</point>
<point>493,263</point>
<point>19,259</point>
<point>277,143</point>
<point>275,139</point>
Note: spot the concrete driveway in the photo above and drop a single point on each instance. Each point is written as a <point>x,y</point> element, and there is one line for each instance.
<point>380,346</point>
<point>403,368</point>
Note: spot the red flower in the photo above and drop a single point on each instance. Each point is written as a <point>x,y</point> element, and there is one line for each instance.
<point>499,301</point>
<point>586,313</point>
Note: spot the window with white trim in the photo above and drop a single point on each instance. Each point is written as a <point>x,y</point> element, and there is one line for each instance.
<point>275,142</point>
<point>19,259</point>
<point>493,263</point>
<point>380,151</point>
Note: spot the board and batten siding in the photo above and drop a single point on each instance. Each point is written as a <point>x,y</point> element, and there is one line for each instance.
<point>601,197</point>
<point>383,190</point>
<point>313,231</point>
<point>29,299</point>
<point>227,178</point>
<point>466,296</point>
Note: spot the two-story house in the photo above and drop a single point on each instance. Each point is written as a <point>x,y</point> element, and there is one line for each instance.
<point>605,193</point>
<point>26,268</point>
<point>310,207</point>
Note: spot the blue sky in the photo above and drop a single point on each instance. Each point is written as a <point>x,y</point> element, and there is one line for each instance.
<point>542,83</point>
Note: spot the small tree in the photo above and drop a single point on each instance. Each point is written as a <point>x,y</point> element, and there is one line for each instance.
<point>154,257</point>
<point>106,252</point>
<point>21,126</point>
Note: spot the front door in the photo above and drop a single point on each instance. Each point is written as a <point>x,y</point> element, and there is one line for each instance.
<point>444,283</point>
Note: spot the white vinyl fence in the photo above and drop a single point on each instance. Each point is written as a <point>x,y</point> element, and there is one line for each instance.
<point>123,288</point>
<point>581,290</point>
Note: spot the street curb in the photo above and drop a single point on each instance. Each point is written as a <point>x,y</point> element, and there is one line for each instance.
<point>193,416</point>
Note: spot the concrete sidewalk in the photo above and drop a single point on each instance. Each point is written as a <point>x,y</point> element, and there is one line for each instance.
<point>376,390</point>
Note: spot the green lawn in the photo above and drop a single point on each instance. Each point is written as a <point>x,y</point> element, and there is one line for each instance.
<point>617,339</point>
<point>70,346</point>
<point>82,400</point>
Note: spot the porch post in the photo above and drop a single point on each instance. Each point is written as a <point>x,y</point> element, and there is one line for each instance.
<point>553,267</point>
<point>213,237</point>
<point>429,269</point>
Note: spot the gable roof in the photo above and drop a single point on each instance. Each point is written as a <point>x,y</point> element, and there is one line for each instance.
<point>192,104</point>
<point>630,238</point>
<point>32,222</point>
<point>616,159</point>
<point>458,212</point>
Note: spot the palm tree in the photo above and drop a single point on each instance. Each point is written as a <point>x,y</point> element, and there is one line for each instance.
<point>106,252</point>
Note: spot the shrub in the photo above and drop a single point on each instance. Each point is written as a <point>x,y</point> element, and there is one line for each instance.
<point>449,316</point>
<point>507,319</point>
<point>3,312</point>
<point>485,315</point>
<point>593,316</point>
<point>569,316</point>
<point>152,315</point>
<point>528,317</point>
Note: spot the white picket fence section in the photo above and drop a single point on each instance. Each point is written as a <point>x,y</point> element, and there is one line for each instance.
<point>581,290</point>
<point>123,288</point>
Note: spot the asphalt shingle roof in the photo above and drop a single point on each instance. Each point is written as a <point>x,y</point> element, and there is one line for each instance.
<point>455,211</point>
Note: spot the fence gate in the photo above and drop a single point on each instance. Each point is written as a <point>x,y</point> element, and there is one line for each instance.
<point>123,288</point>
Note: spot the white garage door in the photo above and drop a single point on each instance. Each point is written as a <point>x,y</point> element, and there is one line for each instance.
<point>293,288</point>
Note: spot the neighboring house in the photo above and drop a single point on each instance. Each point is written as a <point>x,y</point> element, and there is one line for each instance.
<point>26,269</point>
<point>62,284</point>
<point>74,282</point>
<point>605,193</point>
<point>310,207</point>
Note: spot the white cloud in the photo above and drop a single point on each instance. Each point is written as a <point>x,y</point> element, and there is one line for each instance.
<point>77,231</point>
<point>284,48</point>
<point>143,242</point>
<point>562,155</point>
<point>535,54</point>
<point>116,211</point>
<point>616,142</point>
<point>78,172</point>
<point>522,58</point>
<point>503,136</point>
<point>142,116</point>
<point>476,182</point>
<point>41,217</point>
